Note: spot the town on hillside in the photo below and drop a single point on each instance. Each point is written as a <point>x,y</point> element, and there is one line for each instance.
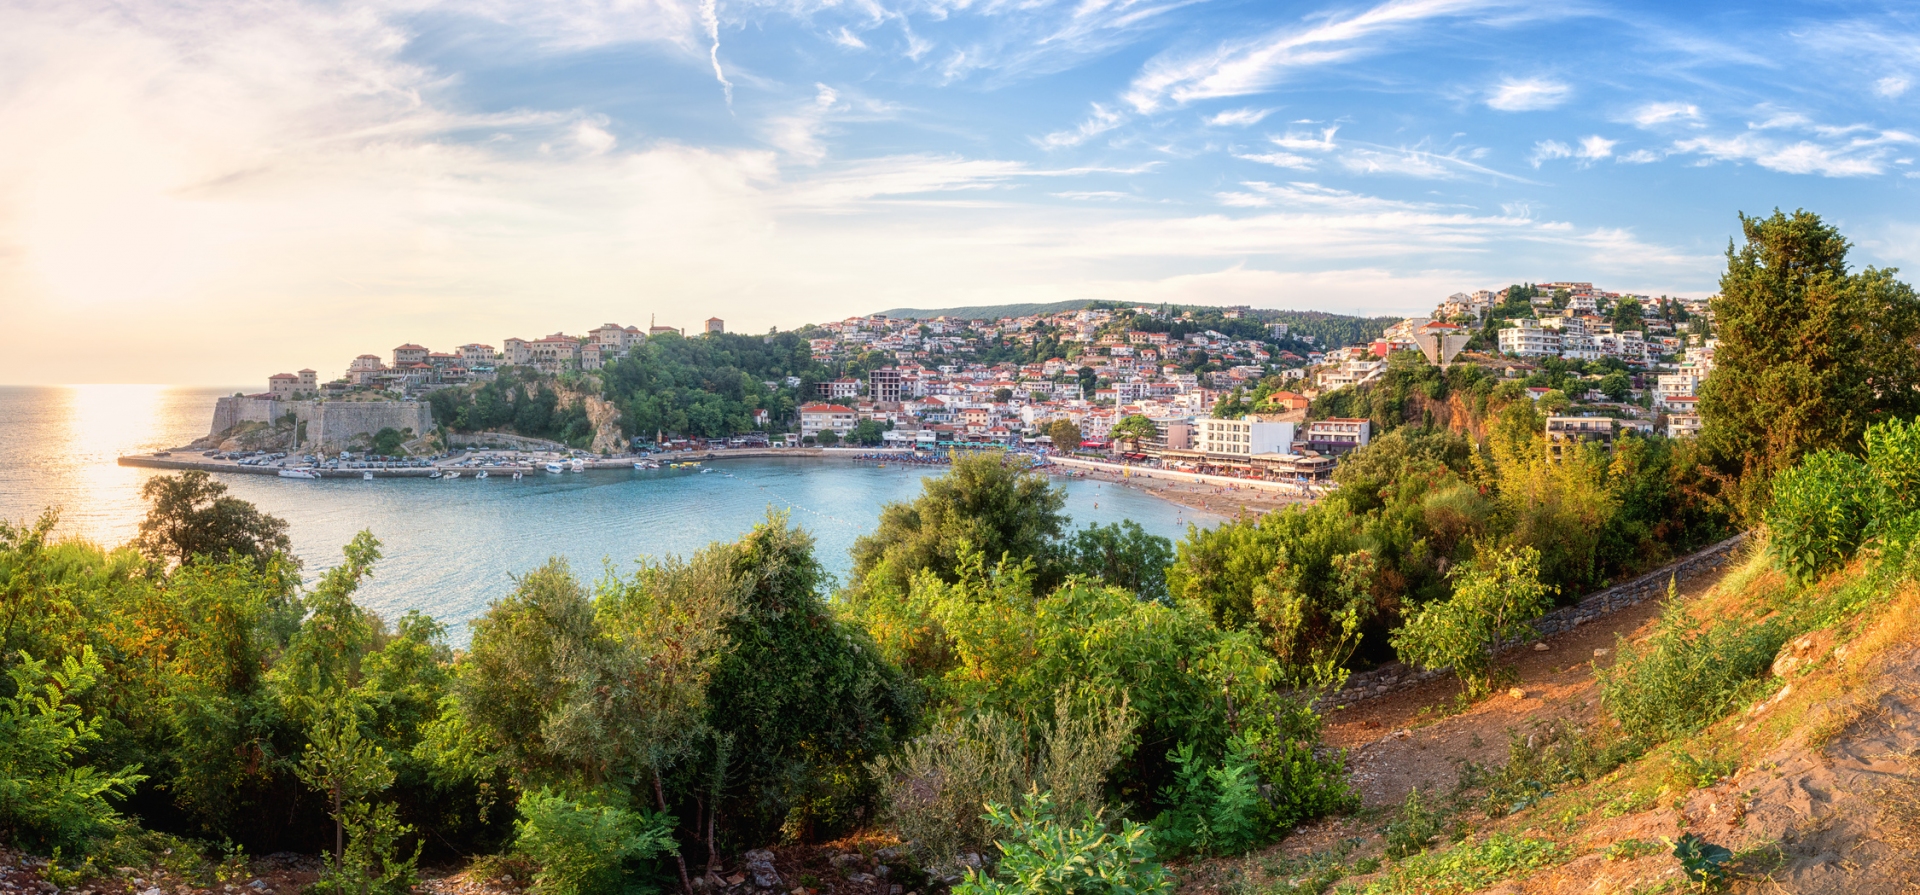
<point>1222,390</point>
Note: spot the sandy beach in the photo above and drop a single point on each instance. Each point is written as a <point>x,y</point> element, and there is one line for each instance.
<point>1224,500</point>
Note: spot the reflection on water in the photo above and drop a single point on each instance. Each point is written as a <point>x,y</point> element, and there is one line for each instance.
<point>452,546</point>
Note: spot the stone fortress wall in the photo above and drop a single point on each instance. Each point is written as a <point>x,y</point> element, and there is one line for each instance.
<point>330,425</point>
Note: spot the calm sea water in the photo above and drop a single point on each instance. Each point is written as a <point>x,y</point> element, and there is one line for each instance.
<point>451,547</point>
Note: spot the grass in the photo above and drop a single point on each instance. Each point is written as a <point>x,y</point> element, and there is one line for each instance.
<point>1469,866</point>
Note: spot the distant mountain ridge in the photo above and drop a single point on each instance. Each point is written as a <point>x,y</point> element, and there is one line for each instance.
<point>992,312</point>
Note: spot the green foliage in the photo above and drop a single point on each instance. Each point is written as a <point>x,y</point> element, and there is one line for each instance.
<point>47,798</point>
<point>937,788</point>
<point>1810,353</point>
<point>1213,809</point>
<point>1495,597</point>
<point>1065,433</point>
<point>1043,854</point>
<point>1704,863</point>
<point>1820,513</point>
<point>985,502</point>
<point>1470,866</point>
<point>866,433</point>
<point>1133,428</point>
<point>191,518</point>
<point>709,386</point>
<point>1539,764</point>
<point>387,441</point>
<point>1687,674</point>
<point>1419,825</point>
<point>589,847</point>
<point>1122,554</point>
<point>520,400</point>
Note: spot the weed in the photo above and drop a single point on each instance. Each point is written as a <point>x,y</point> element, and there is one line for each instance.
<point>1417,827</point>
<point>1628,849</point>
<point>1687,674</point>
<point>1705,863</point>
<point>1468,867</point>
<point>1540,763</point>
<point>1689,772</point>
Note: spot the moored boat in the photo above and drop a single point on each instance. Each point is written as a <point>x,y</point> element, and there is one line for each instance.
<point>366,476</point>
<point>556,467</point>
<point>481,474</point>
<point>434,474</point>
<point>299,474</point>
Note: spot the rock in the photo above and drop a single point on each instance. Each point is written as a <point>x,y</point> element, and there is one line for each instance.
<point>258,884</point>
<point>154,890</point>
<point>1541,647</point>
<point>759,866</point>
<point>1601,653</point>
<point>1517,693</point>
<point>1800,652</point>
<point>882,871</point>
<point>861,878</point>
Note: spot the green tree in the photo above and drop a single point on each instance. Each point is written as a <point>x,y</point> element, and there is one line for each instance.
<point>827,438</point>
<point>1627,315</point>
<point>192,517</point>
<point>1124,555</point>
<point>1616,386</point>
<point>1231,407</point>
<point>1132,429</point>
<point>867,433</point>
<point>1002,395</point>
<point>1495,597</point>
<point>985,502</point>
<point>387,441</point>
<point>1065,434</point>
<point>1810,353</point>
<point>48,797</point>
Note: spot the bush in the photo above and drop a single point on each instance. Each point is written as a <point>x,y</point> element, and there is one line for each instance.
<point>589,847</point>
<point>1820,513</point>
<point>1687,674</point>
<point>1042,855</point>
<point>45,801</point>
<point>938,787</point>
<point>1495,596</point>
<point>1214,809</point>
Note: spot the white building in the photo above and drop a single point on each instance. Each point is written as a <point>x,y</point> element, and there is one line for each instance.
<point>1527,338</point>
<point>1243,437</point>
<point>817,418</point>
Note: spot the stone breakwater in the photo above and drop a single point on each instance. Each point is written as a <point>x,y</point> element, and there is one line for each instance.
<point>1395,676</point>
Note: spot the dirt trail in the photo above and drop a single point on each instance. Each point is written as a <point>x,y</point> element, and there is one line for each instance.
<point>1405,740</point>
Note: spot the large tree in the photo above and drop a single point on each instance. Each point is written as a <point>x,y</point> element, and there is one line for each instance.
<point>192,517</point>
<point>986,502</point>
<point>1809,352</point>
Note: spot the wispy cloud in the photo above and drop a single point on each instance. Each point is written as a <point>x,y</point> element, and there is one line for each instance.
<point>1249,66</point>
<point>710,18</point>
<point>1655,114</point>
<point>1238,117</point>
<point>1855,156</point>
<point>1892,86</point>
<point>1547,150</point>
<point>1099,120</point>
<point>1528,94</point>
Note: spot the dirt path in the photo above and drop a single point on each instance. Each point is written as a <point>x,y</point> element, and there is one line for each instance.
<point>1405,739</point>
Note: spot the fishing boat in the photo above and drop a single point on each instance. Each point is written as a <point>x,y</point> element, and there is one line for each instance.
<point>434,474</point>
<point>555,467</point>
<point>298,474</point>
<point>366,476</point>
<point>481,474</point>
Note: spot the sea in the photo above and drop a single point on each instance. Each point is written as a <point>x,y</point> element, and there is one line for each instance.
<point>451,547</point>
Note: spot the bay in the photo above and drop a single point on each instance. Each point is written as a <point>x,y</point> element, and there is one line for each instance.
<point>453,546</point>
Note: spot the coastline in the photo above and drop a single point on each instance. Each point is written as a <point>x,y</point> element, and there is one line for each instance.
<point>1223,497</point>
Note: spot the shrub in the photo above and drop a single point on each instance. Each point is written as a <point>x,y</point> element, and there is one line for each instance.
<point>1213,809</point>
<point>1820,513</point>
<point>1418,826</point>
<point>1042,855</point>
<point>588,847</point>
<point>1468,867</point>
<point>1495,596</point>
<point>1686,675</point>
<point>46,801</point>
<point>1704,862</point>
<point>939,786</point>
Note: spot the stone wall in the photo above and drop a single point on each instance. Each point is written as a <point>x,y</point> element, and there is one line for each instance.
<point>330,425</point>
<point>504,439</point>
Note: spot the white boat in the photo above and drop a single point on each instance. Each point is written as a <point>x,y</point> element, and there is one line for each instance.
<point>454,474</point>
<point>578,464</point>
<point>556,467</point>
<point>646,464</point>
<point>705,471</point>
<point>516,476</point>
<point>481,474</point>
<point>298,474</point>
<point>434,474</point>
<point>366,476</point>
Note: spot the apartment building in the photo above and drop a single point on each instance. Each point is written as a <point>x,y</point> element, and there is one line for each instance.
<point>1243,437</point>
<point>1566,433</point>
<point>409,354</point>
<point>477,356</point>
<point>817,418</point>
<point>1527,338</point>
<point>884,385</point>
<point>1338,436</point>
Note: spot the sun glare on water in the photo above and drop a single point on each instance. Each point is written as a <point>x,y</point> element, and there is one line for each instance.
<point>101,423</point>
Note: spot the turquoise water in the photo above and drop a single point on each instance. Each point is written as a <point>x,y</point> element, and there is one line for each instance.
<point>452,546</point>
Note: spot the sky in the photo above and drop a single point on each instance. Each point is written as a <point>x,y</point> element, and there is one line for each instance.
<point>208,193</point>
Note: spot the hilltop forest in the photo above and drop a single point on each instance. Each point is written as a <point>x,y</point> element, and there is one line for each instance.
<point>1018,705</point>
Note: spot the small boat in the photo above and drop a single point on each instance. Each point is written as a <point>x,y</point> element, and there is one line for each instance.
<point>556,467</point>
<point>516,476</point>
<point>298,474</point>
<point>366,476</point>
<point>705,471</point>
<point>454,474</point>
<point>646,464</point>
<point>481,474</point>
<point>434,474</point>
<point>578,464</point>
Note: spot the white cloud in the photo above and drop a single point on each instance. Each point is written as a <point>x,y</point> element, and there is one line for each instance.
<point>1302,143</point>
<point>1799,157</point>
<point>710,18</point>
<point>1892,86</point>
<point>1546,150</point>
<point>1238,117</point>
<point>1639,157</point>
<point>1654,114</point>
<point>1100,120</point>
<point>1596,147</point>
<point>1528,94</point>
<point>1249,66</point>
<point>1278,159</point>
<point>593,136</point>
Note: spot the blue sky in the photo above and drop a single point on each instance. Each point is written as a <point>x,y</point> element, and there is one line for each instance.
<point>212,189</point>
